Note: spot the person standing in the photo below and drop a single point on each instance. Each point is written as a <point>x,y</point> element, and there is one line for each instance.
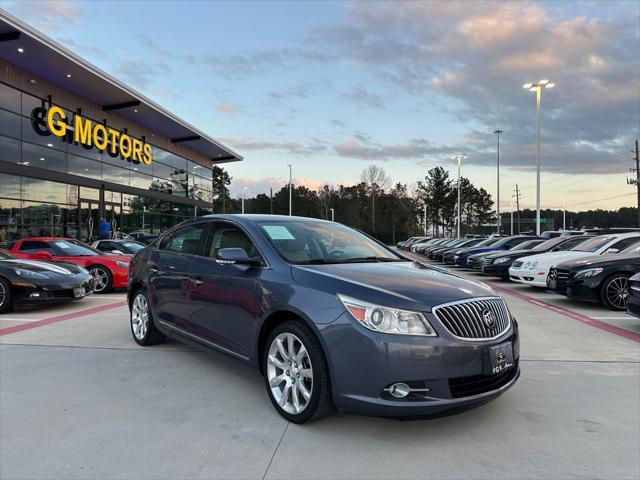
<point>104,228</point>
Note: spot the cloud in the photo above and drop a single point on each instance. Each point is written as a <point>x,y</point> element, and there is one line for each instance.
<point>263,185</point>
<point>140,73</point>
<point>362,148</point>
<point>227,108</point>
<point>309,147</point>
<point>86,50</point>
<point>362,97</point>
<point>47,15</point>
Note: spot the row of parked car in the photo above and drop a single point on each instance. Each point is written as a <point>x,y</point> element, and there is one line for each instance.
<point>48,270</point>
<point>600,266</point>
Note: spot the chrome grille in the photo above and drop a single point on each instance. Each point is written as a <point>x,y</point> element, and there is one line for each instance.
<point>488,261</point>
<point>466,319</point>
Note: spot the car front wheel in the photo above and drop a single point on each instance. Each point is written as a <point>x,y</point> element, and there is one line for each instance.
<point>102,279</point>
<point>6,301</point>
<point>143,329</point>
<point>296,374</point>
<point>615,292</point>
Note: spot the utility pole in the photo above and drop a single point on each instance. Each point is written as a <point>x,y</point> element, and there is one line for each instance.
<point>517,195</point>
<point>271,201</point>
<point>511,218</point>
<point>290,204</point>
<point>636,181</point>
<point>498,218</point>
<point>425,219</point>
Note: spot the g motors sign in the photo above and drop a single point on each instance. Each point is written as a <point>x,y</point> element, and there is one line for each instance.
<point>90,134</point>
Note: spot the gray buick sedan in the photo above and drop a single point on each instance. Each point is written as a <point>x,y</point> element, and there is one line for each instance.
<point>330,317</point>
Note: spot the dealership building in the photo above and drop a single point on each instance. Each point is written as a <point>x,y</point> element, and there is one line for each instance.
<point>77,145</point>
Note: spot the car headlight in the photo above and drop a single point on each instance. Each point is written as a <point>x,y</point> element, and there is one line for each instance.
<point>387,320</point>
<point>530,265</point>
<point>589,272</point>
<point>501,260</point>
<point>122,264</point>
<point>29,274</point>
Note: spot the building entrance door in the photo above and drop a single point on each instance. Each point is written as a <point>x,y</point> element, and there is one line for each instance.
<point>89,221</point>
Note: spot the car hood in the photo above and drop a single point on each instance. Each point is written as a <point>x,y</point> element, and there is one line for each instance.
<point>623,259</point>
<point>551,259</point>
<point>516,254</point>
<point>47,268</point>
<point>406,285</point>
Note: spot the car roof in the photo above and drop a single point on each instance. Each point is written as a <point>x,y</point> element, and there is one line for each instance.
<point>45,239</point>
<point>252,218</point>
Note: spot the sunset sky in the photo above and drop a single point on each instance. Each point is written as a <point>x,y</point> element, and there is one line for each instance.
<point>332,87</point>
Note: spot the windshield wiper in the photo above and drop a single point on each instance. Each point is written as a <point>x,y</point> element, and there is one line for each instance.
<point>371,259</point>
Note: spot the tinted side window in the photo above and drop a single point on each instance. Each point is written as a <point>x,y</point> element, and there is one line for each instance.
<point>33,246</point>
<point>625,242</point>
<point>225,235</point>
<point>184,240</point>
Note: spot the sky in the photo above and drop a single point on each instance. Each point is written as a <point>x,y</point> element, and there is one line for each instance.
<point>332,87</point>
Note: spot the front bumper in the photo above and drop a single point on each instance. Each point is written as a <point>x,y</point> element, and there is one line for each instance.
<point>364,363</point>
<point>535,278</point>
<point>29,294</point>
<point>496,270</point>
<point>633,305</point>
<point>120,276</point>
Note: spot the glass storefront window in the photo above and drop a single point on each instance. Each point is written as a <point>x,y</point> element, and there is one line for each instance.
<point>140,180</point>
<point>40,157</point>
<point>44,191</point>
<point>10,124</point>
<point>10,150</point>
<point>10,98</point>
<point>84,151</point>
<point>89,193</point>
<point>10,186</point>
<point>29,102</point>
<point>84,167</point>
<point>161,170</point>
<point>49,141</point>
<point>115,174</point>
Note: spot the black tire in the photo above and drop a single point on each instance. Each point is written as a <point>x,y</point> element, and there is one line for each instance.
<point>6,300</point>
<point>613,282</point>
<point>151,336</point>
<point>320,403</point>
<point>103,272</point>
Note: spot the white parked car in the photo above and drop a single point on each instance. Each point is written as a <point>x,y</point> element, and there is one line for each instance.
<point>533,270</point>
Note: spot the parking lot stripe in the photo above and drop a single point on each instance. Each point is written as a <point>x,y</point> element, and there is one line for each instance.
<point>571,314</point>
<point>60,318</point>
<point>20,319</point>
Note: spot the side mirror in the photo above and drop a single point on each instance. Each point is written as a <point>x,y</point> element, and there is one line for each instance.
<point>44,255</point>
<point>237,256</point>
<point>612,250</point>
<point>117,252</point>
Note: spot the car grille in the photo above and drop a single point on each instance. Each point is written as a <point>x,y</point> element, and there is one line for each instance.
<point>559,274</point>
<point>477,384</point>
<point>517,264</point>
<point>487,261</point>
<point>475,318</point>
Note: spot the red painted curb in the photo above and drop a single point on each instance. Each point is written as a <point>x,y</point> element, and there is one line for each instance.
<point>560,310</point>
<point>60,318</point>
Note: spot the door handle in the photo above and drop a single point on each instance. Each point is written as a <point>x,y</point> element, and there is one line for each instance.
<point>197,281</point>
<point>153,270</point>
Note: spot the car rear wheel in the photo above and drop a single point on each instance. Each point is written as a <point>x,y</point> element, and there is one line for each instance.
<point>296,374</point>
<point>143,329</point>
<point>102,279</point>
<point>6,299</point>
<point>615,292</point>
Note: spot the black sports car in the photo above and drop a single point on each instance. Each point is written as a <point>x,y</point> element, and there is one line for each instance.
<point>600,278</point>
<point>29,283</point>
<point>633,301</point>
<point>498,264</point>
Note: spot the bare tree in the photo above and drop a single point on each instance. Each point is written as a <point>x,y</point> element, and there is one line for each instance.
<point>376,180</point>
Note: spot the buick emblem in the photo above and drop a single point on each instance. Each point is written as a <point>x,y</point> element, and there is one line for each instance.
<point>488,318</point>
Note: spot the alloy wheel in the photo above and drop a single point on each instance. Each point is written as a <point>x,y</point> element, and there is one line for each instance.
<point>140,317</point>
<point>617,292</point>
<point>100,279</point>
<point>3,294</point>
<point>290,373</point>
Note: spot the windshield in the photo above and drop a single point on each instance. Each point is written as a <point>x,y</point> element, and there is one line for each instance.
<point>73,248</point>
<point>594,244</point>
<point>526,245</point>
<point>488,241</point>
<point>549,244</point>
<point>4,255</point>
<point>310,242</point>
<point>130,247</point>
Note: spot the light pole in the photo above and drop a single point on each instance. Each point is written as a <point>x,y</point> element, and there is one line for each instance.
<point>459,158</point>
<point>537,87</point>
<point>290,205</point>
<point>332,212</point>
<point>498,218</point>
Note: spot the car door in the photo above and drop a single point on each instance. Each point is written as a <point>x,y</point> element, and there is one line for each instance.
<point>224,306</point>
<point>168,270</point>
<point>31,248</point>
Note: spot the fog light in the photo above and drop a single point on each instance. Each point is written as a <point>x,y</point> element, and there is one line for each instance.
<point>34,294</point>
<point>399,390</point>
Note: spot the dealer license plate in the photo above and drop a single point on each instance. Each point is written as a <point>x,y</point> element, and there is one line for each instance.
<point>79,292</point>
<point>500,358</point>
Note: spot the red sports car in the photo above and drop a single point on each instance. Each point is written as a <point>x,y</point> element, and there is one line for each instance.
<point>109,271</point>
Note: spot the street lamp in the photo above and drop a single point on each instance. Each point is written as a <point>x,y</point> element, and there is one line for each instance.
<point>459,158</point>
<point>290,205</point>
<point>537,87</point>
<point>332,214</point>
<point>498,218</point>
